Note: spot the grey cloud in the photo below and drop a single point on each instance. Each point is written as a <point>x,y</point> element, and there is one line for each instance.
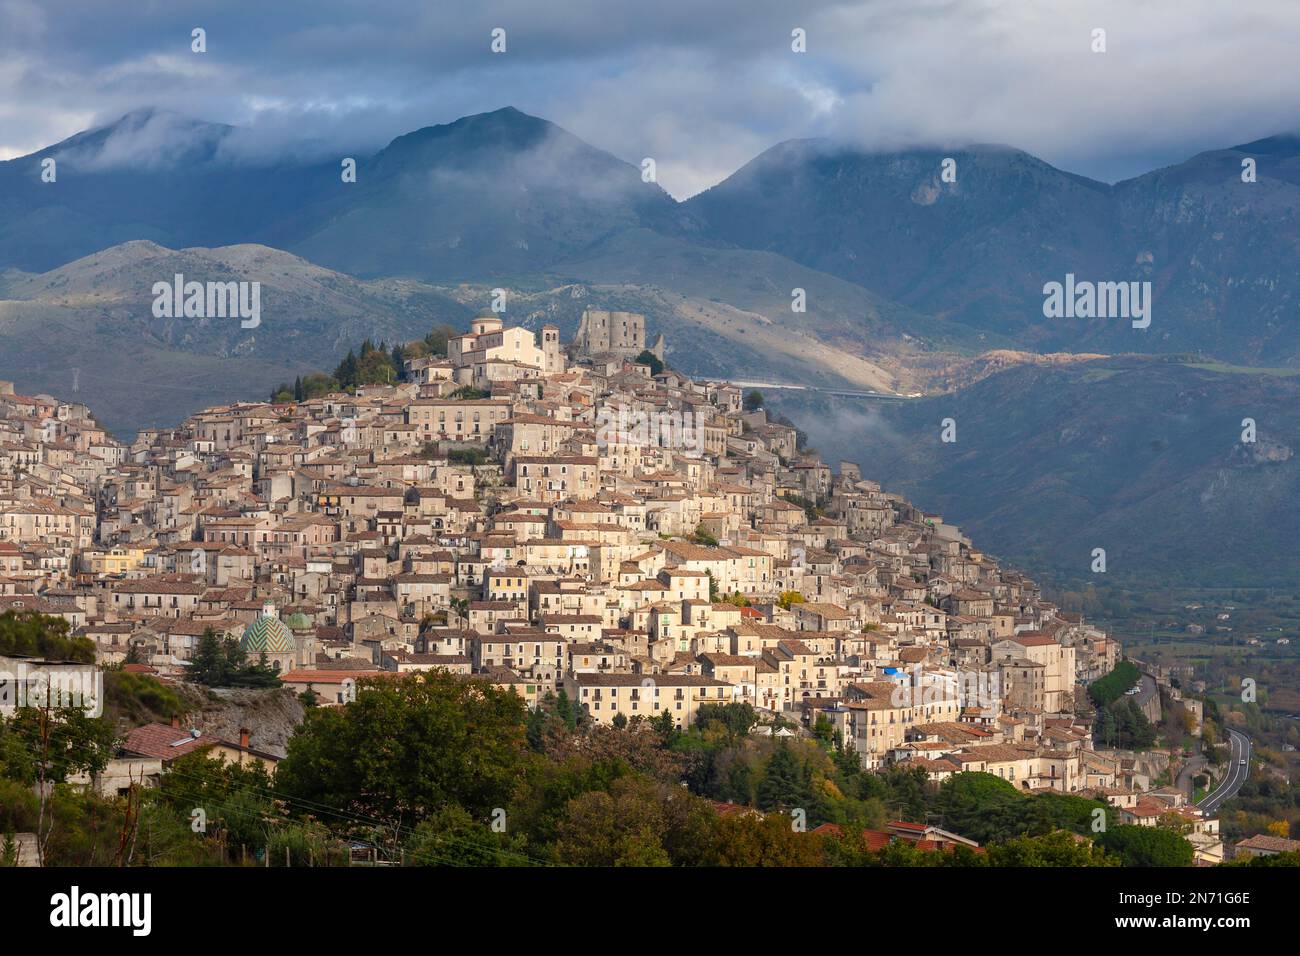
<point>699,87</point>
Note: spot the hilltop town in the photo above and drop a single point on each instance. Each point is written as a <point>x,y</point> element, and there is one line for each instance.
<point>561,519</point>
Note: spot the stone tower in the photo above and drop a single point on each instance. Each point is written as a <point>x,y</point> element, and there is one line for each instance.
<point>552,354</point>
<point>620,334</point>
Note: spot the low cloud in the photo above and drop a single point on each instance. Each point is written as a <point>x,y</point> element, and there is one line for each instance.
<point>700,88</point>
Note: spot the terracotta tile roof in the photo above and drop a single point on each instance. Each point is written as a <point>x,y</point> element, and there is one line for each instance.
<point>165,741</point>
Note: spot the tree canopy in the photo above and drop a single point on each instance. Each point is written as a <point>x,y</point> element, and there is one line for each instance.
<point>40,635</point>
<point>410,746</point>
<point>218,662</point>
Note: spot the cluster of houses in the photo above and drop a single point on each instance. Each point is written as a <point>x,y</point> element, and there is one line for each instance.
<point>556,519</point>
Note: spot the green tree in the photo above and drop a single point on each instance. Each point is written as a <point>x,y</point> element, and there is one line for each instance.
<point>409,746</point>
<point>236,800</point>
<point>451,837</point>
<point>752,840</point>
<point>637,822</point>
<point>1146,846</point>
<point>702,536</point>
<point>317,384</point>
<point>737,719</point>
<point>468,393</point>
<point>1051,811</point>
<point>436,341</point>
<point>60,741</point>
<point>786,782</point>
<point>823,729</point>
<point>1290,858</point>
<point>218,662</point>
<point>1052,849</point>
<point>347,372</point>
<point>24,634</point>
<point>1122,724</point>
<point>664,725</point>
<point>978,805</point>
<point>1111,687</point>
<point>566,710</point>
<point>208,663</point>
<point>140,697</point>
<point>649,358</point>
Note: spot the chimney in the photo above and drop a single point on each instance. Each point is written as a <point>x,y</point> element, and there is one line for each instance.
<point>243,738</point>
<point>176,721</point>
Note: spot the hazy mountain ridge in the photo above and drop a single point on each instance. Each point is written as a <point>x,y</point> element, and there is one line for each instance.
<point>1143,457</point>
<point>506,196</point>
<point>95,316</point>
<point>488,195</point>
<point>90,325</point>
<point>889,222</point>
<point>1220,253</point>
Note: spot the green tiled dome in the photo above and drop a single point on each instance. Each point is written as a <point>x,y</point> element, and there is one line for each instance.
<point>298,622</point>
<point>269,634</point>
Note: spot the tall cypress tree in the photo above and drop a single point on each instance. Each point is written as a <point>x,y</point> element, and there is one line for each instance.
<point>785,783</point>
<point>347,370</point>
<point>208,663</point>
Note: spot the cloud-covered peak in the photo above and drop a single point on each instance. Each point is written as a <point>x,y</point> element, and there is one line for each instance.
<point>700,88</point>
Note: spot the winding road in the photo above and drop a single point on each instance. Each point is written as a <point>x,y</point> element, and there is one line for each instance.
<point>1238,750</point>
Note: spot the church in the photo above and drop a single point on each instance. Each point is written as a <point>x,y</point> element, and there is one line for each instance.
<point>287,644</point>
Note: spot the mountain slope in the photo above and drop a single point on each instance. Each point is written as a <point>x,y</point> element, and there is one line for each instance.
<point>95,316</point>
<point>90,324</point>
<point>1220,253</point>
<point>495,194</point>
<point>152,175</point>
<point>975,249</point>
<point>1142,457</point>
<point>498,194</point>
<point>1223,252</point>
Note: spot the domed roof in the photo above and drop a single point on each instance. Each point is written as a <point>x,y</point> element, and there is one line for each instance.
<point>269,634</point>
<point>298,622</point>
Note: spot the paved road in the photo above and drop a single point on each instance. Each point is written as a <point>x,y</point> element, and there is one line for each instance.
<point>839,392</point>
<point>1238,750</point>
<point>1148,685</point>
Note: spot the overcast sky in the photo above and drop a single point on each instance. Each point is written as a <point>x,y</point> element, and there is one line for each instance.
<point>700,85</point>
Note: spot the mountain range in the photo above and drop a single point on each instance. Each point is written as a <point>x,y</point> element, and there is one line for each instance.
<point>507,196</point>
<point>1220,253</point>
<point>915,281</point>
